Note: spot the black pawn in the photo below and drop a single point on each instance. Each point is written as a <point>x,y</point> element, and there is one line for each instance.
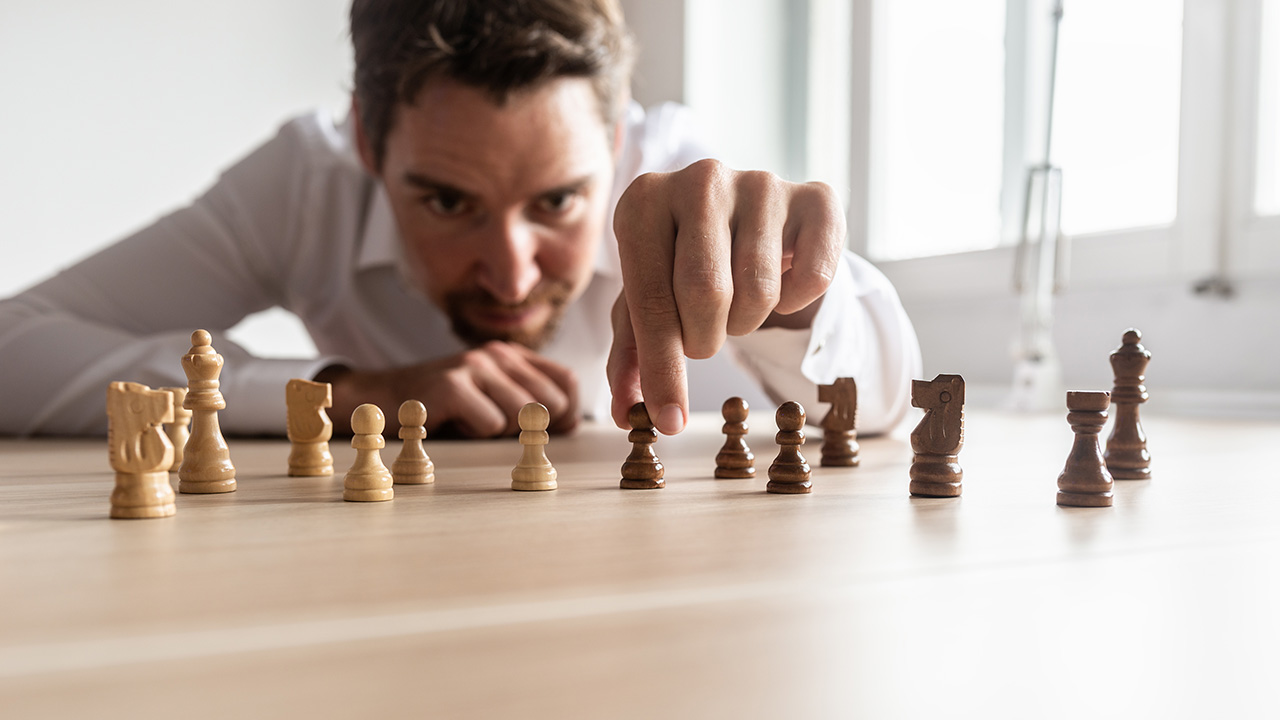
<point>642,470</point>
<point>735,459</point>
<point>1084,481</point>
<point>789,473</point>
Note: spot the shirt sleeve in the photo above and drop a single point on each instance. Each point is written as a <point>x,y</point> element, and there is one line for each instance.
<point>860,331</point>
<point>127,312</point>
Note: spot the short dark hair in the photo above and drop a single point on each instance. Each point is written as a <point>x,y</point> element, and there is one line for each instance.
<point>499,46</point>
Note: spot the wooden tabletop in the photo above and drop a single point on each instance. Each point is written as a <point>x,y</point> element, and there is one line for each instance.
<point>706,599</point>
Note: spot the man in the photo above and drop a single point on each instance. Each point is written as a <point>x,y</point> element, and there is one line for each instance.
<point>449,242</point>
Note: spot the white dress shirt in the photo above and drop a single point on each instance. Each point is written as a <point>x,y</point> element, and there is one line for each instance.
<point>299,224</point>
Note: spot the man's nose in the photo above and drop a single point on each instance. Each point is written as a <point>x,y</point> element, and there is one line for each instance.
<point>509,268</point>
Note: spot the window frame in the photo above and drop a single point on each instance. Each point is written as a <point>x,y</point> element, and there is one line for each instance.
<point>1215,231</point>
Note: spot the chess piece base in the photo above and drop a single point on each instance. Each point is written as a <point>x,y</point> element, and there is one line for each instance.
<point>725,473</point>
<point>789,488</point>
<point>654,484</point>
<point>1084,499</point>
<point>137,513</point>
<point>1130,473</point>
<point>206,487</point>
<point>145,495</point>
<point>375,495</point>
<point>310,460</point>
<point>413,472</point>
<point>840,461</point>
<point>924,488</point>
<point>533,485</point>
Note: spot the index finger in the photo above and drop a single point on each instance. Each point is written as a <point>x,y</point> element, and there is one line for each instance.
<point>646,231</point>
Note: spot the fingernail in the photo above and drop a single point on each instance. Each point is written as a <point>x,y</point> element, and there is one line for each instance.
<point>671,420</point>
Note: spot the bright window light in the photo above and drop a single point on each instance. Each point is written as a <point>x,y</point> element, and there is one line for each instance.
<point>1116,113</point>
<point>937,127</point>
<point>1267,200</point>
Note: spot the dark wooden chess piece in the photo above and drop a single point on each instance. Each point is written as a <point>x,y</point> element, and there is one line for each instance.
<point>735,459</point>
<point>1127,457</point>
<point>936,441</point>
<point>642,470</point>
<point>1085,482</point>
<point>789,473</point>
<point>839,425</point>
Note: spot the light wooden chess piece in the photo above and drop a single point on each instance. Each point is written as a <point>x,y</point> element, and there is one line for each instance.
<point>368,480</point>
<point>534,472</point>
<point>412,466</point>
<point>180,429</point>
<point>839,425</point>
<point>206,462</point>
<point>1127,457</point>
<point>735,459</point>
<point>309,427</point>
<point>139,450</point>
<point>1084,481</point>
<point>789,473</point>
<point>642,470</point>
<point>936,441</point>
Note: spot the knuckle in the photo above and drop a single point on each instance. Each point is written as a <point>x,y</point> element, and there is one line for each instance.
<point>653,303</point>
<point>759,183</point>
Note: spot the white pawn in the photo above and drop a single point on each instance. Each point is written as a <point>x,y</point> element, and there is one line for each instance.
<point>180,429</point>
<point>412,466</point>
<point>368,480</point>
<point>534,472</point>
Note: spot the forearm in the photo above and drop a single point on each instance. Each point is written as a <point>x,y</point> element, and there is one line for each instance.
<point>57,368</point>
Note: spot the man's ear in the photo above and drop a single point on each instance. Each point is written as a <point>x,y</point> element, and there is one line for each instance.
<point>362,140</point>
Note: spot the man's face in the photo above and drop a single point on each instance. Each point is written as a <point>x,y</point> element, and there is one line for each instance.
<point>501,208</point>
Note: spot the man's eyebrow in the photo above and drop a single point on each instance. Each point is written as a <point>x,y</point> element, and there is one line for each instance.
<point>570,187</point>
<point>423,182</point>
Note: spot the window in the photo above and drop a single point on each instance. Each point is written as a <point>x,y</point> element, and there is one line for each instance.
<point>1267,195</point>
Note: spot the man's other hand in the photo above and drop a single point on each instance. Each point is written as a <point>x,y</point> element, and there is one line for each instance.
<point>478,392</point>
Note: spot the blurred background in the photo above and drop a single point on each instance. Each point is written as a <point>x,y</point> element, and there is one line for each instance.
<point>1035,176</point>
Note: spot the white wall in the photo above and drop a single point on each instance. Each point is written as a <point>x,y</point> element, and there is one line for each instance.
<point>115,113</point>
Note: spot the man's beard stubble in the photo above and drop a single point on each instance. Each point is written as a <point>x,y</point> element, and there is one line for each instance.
<point>553,293</point>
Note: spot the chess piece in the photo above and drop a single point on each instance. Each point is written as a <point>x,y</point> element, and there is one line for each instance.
<point>1127,457</point>
<point>642,470</point>
<point>936,441</point>
<point>139,450</point>
<point>368,480</point>
<point>412,466</point>
<point>735,459</point>
<point>1084,481</point>
<point>309,427</point>
<point>206,462</point>
<point>789,473</point>
<point>839,425</point>
<point>534,472</point>
<point>180,429</point>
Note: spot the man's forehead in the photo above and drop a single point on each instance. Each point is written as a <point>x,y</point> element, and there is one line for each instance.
<point>459,135</point>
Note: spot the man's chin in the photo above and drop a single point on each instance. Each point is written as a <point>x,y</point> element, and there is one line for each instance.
<point>532,332</point>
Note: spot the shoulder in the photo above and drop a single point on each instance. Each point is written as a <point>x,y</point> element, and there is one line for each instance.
<point>313,141</point>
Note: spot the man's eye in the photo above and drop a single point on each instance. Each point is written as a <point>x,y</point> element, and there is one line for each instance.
<point>446,203</point>
<point>558,202</point>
